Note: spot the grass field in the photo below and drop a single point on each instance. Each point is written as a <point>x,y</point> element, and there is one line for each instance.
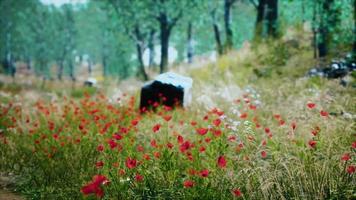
<point>257,129</point>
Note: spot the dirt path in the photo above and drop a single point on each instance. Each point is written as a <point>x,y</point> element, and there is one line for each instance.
<point>5,193</point>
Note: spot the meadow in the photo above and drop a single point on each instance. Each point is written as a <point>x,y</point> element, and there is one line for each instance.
<point>280,136</point>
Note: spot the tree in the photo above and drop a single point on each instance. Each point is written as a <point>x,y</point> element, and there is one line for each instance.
<point>227,19</point>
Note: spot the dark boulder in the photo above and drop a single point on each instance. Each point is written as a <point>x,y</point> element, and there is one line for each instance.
<point>167,89</point>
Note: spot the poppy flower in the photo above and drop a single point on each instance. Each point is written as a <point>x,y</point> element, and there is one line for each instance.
<point>204,173</point>
<point>252,107</point>
<point>202,131</point>
<point>324,113</point>
<point>156,128</point>
<point>100,148</point>
<point>193,123</point>
<point>312,143</point>
<point>294,125</point>
<point>217,133</point>
<point>236,192</point>
<point>351,169</point>
<point>180,139</point>
<point>221,162</point>
<point>130,163</point>
<point>117,136</point>
<point>311,105</point>
<point>267,130</point>
<point>139,178</point>
<point>169,145</point>
<point>263,154</point>
<point>134,122</point>
<point>217,122</point>
<point>167,118</point>
<point>184,146</point>
<point>94,187</point>
<point>154,143</point>
<point>243,116</point>
<point>99,164</point>
<point>353,145</point>
<point>202,149</point>
<point>188,183</point>
<point>346,157</point>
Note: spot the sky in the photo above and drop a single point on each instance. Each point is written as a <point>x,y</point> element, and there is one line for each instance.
<point>61,2</point>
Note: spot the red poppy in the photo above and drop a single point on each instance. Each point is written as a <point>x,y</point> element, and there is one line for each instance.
<point>169,145</point>
<point>180,139</point>
<point>324,113</point>
<point>311,105</point>
<point>154,143</point>
<point>201,149</point>
<point>94,187</point>
<point>217,133</point>
<point>353,145</point>
<point>221,162</point>
<point>346,157</point>
<point>217,122</point>
<point>204,173</point>
<point>243,116</point>
<point>294,125</point>
<point>312,143</point>
<point>267,130</point>
<point>112,144</point>
<point>167,118</point>
<point>188,184</point>
<point>157,154</point>
<point>202,131</point>
<point>117,136</point>
<point>100,148</point>
<point>99,164</point>
<point>252,107</point>
<point>139,178</point>
<point>263,154</point>
<point>193,123</point>
<point>237,192</point>
<point>131,163</point>
<point>351,169</point>
<point>156,128</point>
<point>134,122</point>
<point>184,146</point>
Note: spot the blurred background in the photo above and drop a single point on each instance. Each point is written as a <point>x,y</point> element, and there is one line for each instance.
<point>77,40</point>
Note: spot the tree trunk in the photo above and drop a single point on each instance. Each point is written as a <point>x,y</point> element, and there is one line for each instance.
<point>60,69</point>
<point>315,31</point>
<point>71,71</point>
<point>227,20</point>
<point>90,67</point>
<point>104,66</point>
<point>190,43</point>
<point>354,43</point>
<point>272,18</point>
<point>139,48</point>
<point>327,22</point>
<point>218,39</point>
<point>165,33</point>
<point>261,10</point>
<point>151,48</point>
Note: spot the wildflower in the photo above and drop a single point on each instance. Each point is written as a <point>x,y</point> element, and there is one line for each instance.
<point>131,163</point>
<point>345,157</point>
<point>94,186</point>
<point>217,133</point>
<point>294,125</point>
<point>156,128</point>
<point>243,116</point>
<point>202,149</point>
<point>112,144</point>
<point>180,139</point>
<point>353,145</point>
<point>154,143</point>
<point>169,145</point>
<point>184,146</point>
<point>117,136</point>
<point>312,143</point>
<point>204,173</point>
<point>311,105</point>
<point>221,162</point>
<point>351,169</point>
<point>134,122</point>
<point>237,192</point>
<point>167,118</point>
<point>100,148</point>
<point>324,113</point>
<point>217,122</point>
<point>263,154</point>
<point>99,164</point>
<point>188,184</point>
<point>202,131</point>
<point>139,178</point>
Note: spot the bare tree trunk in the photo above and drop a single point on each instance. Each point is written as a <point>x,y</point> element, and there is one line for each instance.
<point>315,31</point>
<point>104,65</point>
<point>139,48</point>
<point>165,33</point>
<point>261,10</point>
<point>151,47</point>
<point>60,64</point>
<point>354,43</point>
<point>272,18</point>
<point>227,20</point>
<point>190,43</point>
<point>90,66</point>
